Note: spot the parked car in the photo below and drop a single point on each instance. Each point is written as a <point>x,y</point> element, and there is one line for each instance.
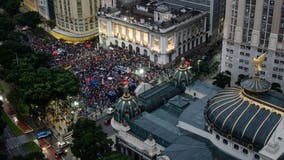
<point>63,144</point>
<point>43,134</point>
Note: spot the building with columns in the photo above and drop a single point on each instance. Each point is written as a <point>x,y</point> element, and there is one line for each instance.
<point>182,119</point>
<point>253,27</point>
<point>76,20</point>
<point>158,30</point>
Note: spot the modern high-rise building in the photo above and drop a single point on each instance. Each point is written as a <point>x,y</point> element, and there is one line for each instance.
<point>214,7</point>
<point>252,27</point>
<point>76,20</point>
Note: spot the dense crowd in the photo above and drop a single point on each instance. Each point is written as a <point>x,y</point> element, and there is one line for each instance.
<point>102,73</point>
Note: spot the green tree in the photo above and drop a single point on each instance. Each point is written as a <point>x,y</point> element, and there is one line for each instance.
<point>89,141</point>
<point>2,123</point>
<point>65,83</point>
<point>30,156</point>
<point>7,24</point>
<point>10,6</point>
<point>116,156</point>
<point>31,19</point>
<point>221,80</point>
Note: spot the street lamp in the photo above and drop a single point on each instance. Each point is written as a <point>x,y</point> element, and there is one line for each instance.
<point>198,63</point>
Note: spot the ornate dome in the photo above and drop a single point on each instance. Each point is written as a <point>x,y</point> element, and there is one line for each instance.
<point>126,108</point>
<point>256,84</point>
<point>246,118</point>
<point>182,75</point>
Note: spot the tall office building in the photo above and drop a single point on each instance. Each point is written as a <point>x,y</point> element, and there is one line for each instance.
<point>76,20</point>
<point>252,27</point>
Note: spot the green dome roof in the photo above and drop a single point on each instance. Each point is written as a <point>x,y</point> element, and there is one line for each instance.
<point>126,108</point>
<point>256,85</point>
<point>182,75</point>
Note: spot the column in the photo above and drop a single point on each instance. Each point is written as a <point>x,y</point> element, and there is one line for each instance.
<point>227,22</point>
<point>204,25</point>
<point>240,21</point>
<point>257,23</point>
<point>273,39</point>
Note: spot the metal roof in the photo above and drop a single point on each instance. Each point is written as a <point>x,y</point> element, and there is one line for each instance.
<point>246,122</point>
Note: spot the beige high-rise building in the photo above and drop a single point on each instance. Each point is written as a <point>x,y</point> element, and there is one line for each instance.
<point>252,27</point>
<point>76,20</point>
<point>31,5</point>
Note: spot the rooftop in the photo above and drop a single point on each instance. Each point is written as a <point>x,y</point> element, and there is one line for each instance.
<point>143,14</point>
<point>162,125</point>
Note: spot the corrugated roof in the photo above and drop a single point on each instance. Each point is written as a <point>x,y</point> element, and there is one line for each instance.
<point>246,122</point>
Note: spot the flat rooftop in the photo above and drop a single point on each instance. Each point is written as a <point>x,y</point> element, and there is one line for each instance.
<point>143,13</point>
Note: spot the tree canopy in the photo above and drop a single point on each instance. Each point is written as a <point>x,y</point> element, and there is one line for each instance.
<point>221,80</point>
<point>31,19</point>
<point>10,6</point>
<point>89,141</point>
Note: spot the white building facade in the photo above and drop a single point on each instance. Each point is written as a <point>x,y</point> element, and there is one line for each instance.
<point>252,27</point>
<point>162,34</point>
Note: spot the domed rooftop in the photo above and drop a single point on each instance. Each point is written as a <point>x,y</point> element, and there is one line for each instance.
<point>233,113</point>
<point>182,75</point>
<point>126,108</point>
<point>256,84</point>
<point>248,114</point>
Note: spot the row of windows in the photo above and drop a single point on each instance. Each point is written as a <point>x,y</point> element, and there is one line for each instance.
<point>77,28</point>
<point>244,54</point>
<point>275,76</point>
<point>277,69</point>
<point>230,51</point>
<point>236,147</point>
<point>277,54</point>
<point>230,65</point>
<point>244,61</point>
<point>244,68</point>
<point>277,61</point>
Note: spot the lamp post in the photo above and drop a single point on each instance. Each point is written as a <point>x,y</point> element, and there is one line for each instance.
<point>198,63</point>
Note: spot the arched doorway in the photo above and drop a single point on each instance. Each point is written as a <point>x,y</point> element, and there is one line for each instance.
<point>155,58</point>
<point>116,43</point>
<point>183,49</point>
<point>145,52</point>
<point>130,48</point>
<point>137,50</point>
<point>122,44</point>
<point>276,87</point>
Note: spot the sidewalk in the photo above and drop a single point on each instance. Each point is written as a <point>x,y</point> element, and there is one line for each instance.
<point>25,128</point>
<point>48,150</point>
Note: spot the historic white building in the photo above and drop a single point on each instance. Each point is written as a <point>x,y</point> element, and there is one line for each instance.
<point>252,27</point>
<point>158,30</point>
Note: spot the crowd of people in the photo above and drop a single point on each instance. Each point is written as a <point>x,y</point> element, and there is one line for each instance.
<point>101,73</point>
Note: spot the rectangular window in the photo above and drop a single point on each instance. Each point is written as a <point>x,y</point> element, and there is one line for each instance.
<point>145,39</point>
<point>171,45</point>
<point>137,36</point>
<point>130,34</point>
